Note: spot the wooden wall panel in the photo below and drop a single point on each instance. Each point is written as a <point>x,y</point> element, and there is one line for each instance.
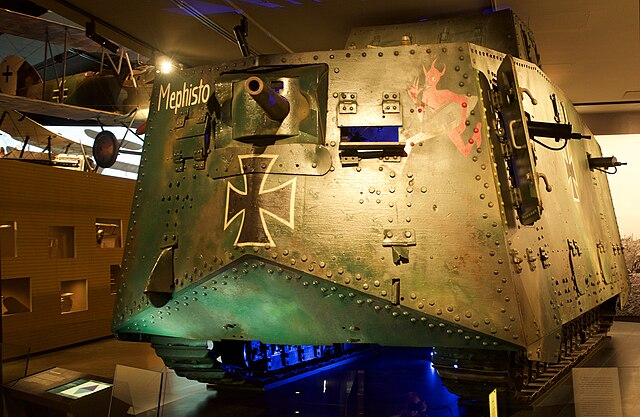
<point>37,197</point>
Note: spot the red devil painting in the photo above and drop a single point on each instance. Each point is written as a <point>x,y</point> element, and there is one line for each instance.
<point>429,98</point>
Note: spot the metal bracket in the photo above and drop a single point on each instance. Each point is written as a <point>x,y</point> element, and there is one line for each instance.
<point>399,237</point>
<point>178,159</point>
<point>391,102</point>
<point>517,260</point>
<point>531,258</point>
<point>169,240</point>
<point>574,248</point>
<point>348,103</point>
<point>181,119</point>
<point>349,160</point>
<point>399,241</point>
<point>544,258</point>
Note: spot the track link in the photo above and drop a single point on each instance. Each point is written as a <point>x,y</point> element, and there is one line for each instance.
<point>202,361</point>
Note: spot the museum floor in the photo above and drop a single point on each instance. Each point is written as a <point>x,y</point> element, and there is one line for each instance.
<point>371,386</point>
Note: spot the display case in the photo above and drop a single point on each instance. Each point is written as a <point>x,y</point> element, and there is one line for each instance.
<point>108,233</point>
<point>16,295</point>
<point>73,296</point>
<point>8,235</point>
<point>61,242</point>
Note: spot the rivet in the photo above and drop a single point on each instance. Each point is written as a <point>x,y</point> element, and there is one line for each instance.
<point>432,303</point>
<point>365,286</point>
<point>376,283</point>
<point>383,293</point>
<point>340,271</point>
<point>407,234</point>
<point>439,311</point>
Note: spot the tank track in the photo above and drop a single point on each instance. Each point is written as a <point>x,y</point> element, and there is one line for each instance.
<point>470,374</point>
<point>473,374</point>
<point>227,365</point>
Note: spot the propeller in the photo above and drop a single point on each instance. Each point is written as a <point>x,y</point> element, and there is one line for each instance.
<point>125,144</point>
<point>105,149</point>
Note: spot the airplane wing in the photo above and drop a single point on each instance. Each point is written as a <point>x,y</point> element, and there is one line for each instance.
<point>39,29</point>
<point>124,166</point>
<point>21,127</point>
<point>64,111</point>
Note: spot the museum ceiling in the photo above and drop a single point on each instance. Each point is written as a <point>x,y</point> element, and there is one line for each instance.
<point>590,48</point>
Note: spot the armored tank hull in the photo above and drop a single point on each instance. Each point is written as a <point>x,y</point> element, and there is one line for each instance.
<point>446,195</point>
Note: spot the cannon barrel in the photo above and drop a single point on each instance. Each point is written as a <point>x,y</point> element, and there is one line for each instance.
<point>276,106</point>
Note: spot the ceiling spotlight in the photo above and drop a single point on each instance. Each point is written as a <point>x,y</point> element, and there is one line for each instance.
<point>165,65</point>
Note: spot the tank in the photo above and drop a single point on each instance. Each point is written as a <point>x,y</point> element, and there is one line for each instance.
<point>428,186</point>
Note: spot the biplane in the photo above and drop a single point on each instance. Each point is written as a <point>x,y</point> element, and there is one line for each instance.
<point>116,93</point>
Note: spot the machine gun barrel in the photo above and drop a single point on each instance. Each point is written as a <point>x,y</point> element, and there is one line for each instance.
<point>276,106</point>
<point>553,130</point>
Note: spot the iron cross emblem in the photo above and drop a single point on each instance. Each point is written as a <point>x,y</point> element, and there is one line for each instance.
<point>256,202</point>
<point>571,175</point>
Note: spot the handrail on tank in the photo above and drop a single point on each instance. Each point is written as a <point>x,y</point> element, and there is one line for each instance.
<point>276,106</point>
